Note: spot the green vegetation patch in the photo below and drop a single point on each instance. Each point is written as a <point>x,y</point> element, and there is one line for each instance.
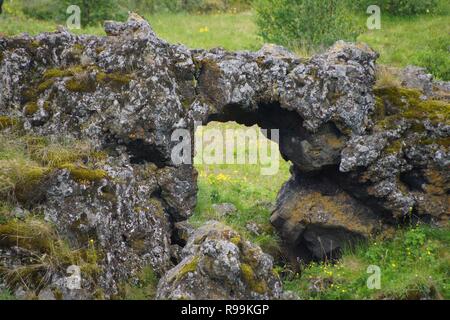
<point>144,288</point>
<point>407,103</point>
<point>81,174</point>
<point>50,253</point>
<point>190,266</point>
<point>26,161</point>
<point>81,85</point>
<point>115,79</point>
<point>253,195</point>
<point>7,122</point>
<point>249,277</point>
<point>413,265</point>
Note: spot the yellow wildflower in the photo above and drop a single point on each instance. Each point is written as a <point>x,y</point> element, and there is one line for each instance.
<point>222,177</point>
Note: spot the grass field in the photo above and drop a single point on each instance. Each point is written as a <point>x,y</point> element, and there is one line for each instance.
<point>423,40</point>
<point>252,193</point>
<point>413,265</point>
<point>230,31</point>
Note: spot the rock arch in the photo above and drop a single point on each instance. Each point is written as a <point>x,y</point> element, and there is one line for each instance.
<point>360,160</point>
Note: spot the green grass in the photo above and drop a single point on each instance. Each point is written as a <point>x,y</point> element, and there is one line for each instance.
<point>230,31</point>
<point>414,265</point>
<point>144,289</point>
<point>14,25</point>
<point>422,40</point>
<point>243,186</point>
<point>6,295</point>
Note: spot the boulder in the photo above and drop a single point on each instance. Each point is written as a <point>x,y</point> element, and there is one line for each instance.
<point>218,264</point>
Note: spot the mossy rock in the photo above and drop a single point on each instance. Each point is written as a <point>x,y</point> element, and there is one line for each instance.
<point>114,79</point>
<point>30,109</point>
<point>45,85</point>
<point>210,72</point>
<point>21,181</point>
<point>32,234</point>
<point>143,289</point>
<point>61,73</point>
<point>80,85</point>
<point>394,147</point>
<point>407,104</point>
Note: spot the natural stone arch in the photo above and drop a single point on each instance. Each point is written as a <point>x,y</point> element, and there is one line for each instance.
<point>357,152</point>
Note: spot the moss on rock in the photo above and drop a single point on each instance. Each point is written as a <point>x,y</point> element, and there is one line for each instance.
<point>7,122</point>
<point>408,104</point>
<point>114,79</point>
<point>394,147</point>
<point>249,277</point>
<point>80,85</point>
<point>60,73</point>
<point>190,266</point>
<point>30,109</point>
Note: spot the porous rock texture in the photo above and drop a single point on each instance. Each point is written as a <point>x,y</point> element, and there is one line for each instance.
<point>362,159</point>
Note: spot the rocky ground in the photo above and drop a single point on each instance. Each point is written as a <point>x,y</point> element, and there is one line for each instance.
<point>97,185</point>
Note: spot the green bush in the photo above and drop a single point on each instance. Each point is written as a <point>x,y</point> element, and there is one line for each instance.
<point>152,6</point>
<point>92,11</point>
<point>96,11</point>
<point>44,9</point>
<point>435,57</point>
<point>401,7</point>
<point>308,24</point>
<point>205,6</point>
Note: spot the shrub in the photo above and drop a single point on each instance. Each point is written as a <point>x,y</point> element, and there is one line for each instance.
<point>152,6</point>
<point>44,9</point>
<point>436,62</point>
<point>205,6</point>
<point>306,23</point>
<point>92,11</point>
<point>192,6</point>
